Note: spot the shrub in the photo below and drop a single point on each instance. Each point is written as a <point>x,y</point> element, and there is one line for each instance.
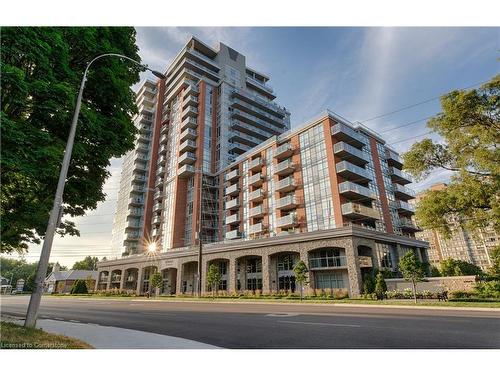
<point>380,286</point>
<point>79,287</point>
<point>461,294</point>
<point>488,289</point>
<point>368,284</point>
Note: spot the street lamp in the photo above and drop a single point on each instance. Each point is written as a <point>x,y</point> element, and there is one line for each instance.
<point>56,212</point>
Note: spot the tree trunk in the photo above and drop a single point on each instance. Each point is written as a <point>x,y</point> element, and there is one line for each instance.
<point>301,290</point>
<point>414,291</point>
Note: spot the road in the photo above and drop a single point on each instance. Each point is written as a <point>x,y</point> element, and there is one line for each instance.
<point>283,326</point>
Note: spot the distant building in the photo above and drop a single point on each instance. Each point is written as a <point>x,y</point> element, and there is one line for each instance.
<point>5,288</point>
<point>62,281</point>
<point>473,247</point>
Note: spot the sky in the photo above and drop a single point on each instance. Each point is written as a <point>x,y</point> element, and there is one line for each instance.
<point>359,73</point>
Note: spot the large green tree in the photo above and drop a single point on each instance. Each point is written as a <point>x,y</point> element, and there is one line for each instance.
<point>41,69</point>
<point>14,269</point>
<point>88,263</point>
<point>470,129</point>
<point>456,267</point>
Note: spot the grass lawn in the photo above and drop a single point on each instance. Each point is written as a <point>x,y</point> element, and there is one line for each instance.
<point>13,336</point>
<point>393,302</point>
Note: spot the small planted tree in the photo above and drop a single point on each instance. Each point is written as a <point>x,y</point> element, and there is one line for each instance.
<point>79,287</point>
<point>412,270</point>
<point>380,286</point>
<point>155,281</point>
<point>213,278</point>
<point>301,273</point>
<point>368,284</point>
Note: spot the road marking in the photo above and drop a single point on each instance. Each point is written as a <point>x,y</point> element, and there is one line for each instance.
<point>282,315</point>
<point>320,324</point>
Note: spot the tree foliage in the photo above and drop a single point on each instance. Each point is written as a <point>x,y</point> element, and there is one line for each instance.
<point>412,270</point>
<point>16,269</point>
<point>380,286</point>
<point>301,274</point>
<point>156,281</point>
<point>89,263</point>
<point>494,269</point>
<point>79,287</point>
<point>213,277</point>
<point>456,267</point>
<point>41,69</point>
<point>470,128</point>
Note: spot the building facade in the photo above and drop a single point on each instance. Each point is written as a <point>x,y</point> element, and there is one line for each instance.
<point>224,166</point>
<point>473,247</point>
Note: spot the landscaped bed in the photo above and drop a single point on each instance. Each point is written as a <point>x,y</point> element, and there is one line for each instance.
<point>14,336</point>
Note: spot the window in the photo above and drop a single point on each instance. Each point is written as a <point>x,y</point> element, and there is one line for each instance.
<point>331,280</point>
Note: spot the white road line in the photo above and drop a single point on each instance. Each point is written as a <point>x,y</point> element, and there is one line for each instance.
<point>320,324</point>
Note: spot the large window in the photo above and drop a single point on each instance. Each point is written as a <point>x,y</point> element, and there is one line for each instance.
<point>330,280</point>
<point>327,258</point>
<point>285,262</point>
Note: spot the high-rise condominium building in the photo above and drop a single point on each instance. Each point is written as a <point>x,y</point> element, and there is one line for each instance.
<point>473,247</point>
<point>224,163</point>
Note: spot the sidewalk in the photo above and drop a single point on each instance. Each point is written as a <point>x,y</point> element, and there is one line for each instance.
<point>104,337</point>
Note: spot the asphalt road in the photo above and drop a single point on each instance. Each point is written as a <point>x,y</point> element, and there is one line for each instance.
<point>279,326</point>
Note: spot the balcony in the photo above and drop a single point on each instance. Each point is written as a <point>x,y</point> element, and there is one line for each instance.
<point>189,123</point>
<point>232,219</point>
<point>187,158</point>
<point>232,235</point>
<point>286,203</point>
<point>233,190</point>
<point>186,171</point>
<point>327,262</point>
<point>408,225</point>
<point>188,134</point>
<point>136,201</point>
<point>132,236</point>
<point>240,148</point>
<point>358,211</point>
<point>350,153</point>
<point>140,166</point>
<point>260,102</point>
<point>233,175</point>
<point>405,207</point>
<point>244,137</point>
<point>163,139</point>
<point>157,220</point>
<point>161,160</point>
<point>365,262</point>
<point>285,167</point>
<point>190,100</point>
<point>255,121</point>
<point>190,111</point>
<point>393,159</point>
<point>255,164</point>
<point>133,224</point>
<point>283,151</point>
<point>191,90</point>
<point>256,228</point>
<point>257,211</point>
<point>347,134</point>
<point>287,221</point>
<point>188,145</point>
<point>139,178</point>
<point>352,172</point>
<point>258,84</point>
<point>286,184</point>
<point>232,204</point>
<point>158,194</point>
<point>256,180</point>
<point>135,212</point>
<point>160,171</point>
<point>257,112</point>
<point>256,195</point>
<point>159,182</point>
<point>163,150</point>
<point>164,129</point>
<point>157,207</point>
<point>138,188</point>
<point>356,192</point>
<point>399,176</point>
<point>403,192</point>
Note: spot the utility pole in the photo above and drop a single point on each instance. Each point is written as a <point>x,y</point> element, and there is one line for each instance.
<point>200,243</point>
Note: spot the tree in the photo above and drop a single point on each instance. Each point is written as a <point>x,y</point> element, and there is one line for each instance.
<point>412,270</point>
<point>89,263</point>
<point>456,267</point>
<point>380,286</point>
<point>434,271</point>
<point>301,274</point>
<point>470,128</point>
<point>90,283</point>
<point>494,270</point>
<point>368,284</point>
<point>213,277</point>
<point>41,69</point>
<point>79,287</point>
<point>156,281</point>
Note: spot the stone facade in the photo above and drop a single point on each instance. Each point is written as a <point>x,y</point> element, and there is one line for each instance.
<point>129,273</point>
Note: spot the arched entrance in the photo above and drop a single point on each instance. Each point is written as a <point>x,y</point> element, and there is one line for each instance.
<point>329,267</point>
<point>116,276</point>
<point>189,277</point>
<point>282,277</point>
<point>169,276</point>
<point>130,281</point>
<point>103,280</point>
<point>223,267</point>
<point>146,275</point>
<point>249,273</point>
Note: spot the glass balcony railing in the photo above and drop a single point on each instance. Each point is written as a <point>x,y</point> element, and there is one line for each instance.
<point>287,221</point>
<point>400,190</point>
<point>328,262</point>
<point>232,204</point>
<point>355,191</point>
<point>351,171</point>
<point>346,133</point>
<point>286,202</point>
<point>256,228</point>
<point>399,176</point>
<point>356,210</point>
<point>233,219</point>
<point>233,175</point>
<point>234,234</point>
<point>351,153</point>
<point>286,184</point>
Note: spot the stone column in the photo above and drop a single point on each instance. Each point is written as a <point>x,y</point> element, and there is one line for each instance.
<point>273,274</point>
<point>204,272</point>
<point>232,274</point>
<point>108,284</point>
<point>265,274</point>
<point>178,283</point>
<point>353,269</point>
<point>122,280</point>
<point>139,281</point>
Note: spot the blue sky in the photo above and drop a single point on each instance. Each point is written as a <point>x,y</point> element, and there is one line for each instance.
<point>358,73</point>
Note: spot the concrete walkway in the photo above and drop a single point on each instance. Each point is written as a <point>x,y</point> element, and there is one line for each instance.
<point>104,337</point>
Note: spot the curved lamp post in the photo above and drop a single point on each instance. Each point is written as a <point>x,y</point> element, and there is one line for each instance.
<point>56,212</point>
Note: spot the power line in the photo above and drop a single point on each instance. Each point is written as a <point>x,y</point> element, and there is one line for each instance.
<point>407,124</point>
<point>407,139</point>
<point>419,103</point>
